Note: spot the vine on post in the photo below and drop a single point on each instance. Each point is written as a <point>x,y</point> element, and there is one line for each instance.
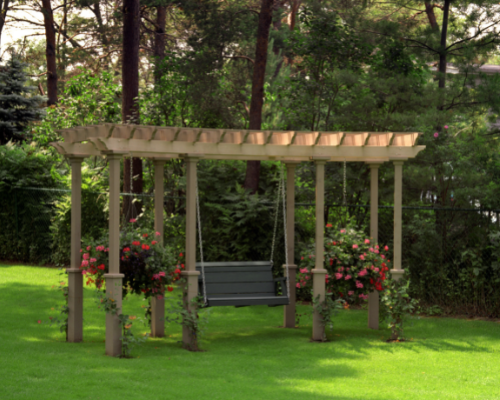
<point>326,310</point>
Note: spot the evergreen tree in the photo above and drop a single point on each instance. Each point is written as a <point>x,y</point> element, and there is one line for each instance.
<point>17,107</point>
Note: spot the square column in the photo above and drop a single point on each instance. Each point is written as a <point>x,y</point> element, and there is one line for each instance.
<point>114,278</point>
<point>289,310</point>
<point>158,304</point>
<point>190,274</point>
<point>319,272</point>
<point>397,270</point>
<point>373,297</point>
<point>75,277</point>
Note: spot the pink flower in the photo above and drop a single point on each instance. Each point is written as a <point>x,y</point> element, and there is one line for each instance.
<point>84,272</point>
<point>367,241</point>
<point>347,277</point>
<point>350,292</point>
<point>386,248</point>
<point>308,277</point>
<point>376,270</point>
<point>162,273</point>
<point>93,260</point>
<point>363,272</point>
<point>85,263</point>
<point>446,127</point>
<point>304,271</point>
<point>363,296</point>
<point>377,247</point>
<point>338,276</point>
<point>85,256</point>
<point>342,231</point>
<point>361,257</point>
<point>81,250</point>
<point>156,276</point>
<point>382,256</point>
<point>298,285</point>
<point>371,249</point>
<point>159,297</point>
<point>157,233</point>
<point>133,220</point>
<point>354,246</point>
<point>88,248</point>
<point>359,285</point>
<point>39,321</point>
<point>436,134</point>
<point>376,251</point>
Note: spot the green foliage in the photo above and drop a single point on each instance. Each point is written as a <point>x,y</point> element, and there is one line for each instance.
<point>88,99</point>
<point>25,211</point>
<point>327,310</point>
<point>397,305</point>
<point>18,105</point>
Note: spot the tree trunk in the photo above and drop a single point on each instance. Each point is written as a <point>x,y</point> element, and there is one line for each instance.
<point>442,50</point>
<point>130,92</point>
<point>429,10</point>
<point>4,8</point>
<point>50,52</point>
<point>159,49</point>
<point>259,73</point>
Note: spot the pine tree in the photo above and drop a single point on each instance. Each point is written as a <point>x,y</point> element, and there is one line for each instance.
<point>17,106</point>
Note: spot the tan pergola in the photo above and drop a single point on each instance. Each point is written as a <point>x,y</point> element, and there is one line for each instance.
<point>192,144</point>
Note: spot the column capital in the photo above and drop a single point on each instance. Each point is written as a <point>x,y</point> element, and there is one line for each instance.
<point>75,158</point>
<point>192,157</point>
<point>114,155</point>
<point>161,160</point>
<point>291,163</point>
<point>399,162</point>
<point>374,164</point>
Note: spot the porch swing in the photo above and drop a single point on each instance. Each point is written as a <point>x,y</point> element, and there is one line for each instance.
<point>244,283</point>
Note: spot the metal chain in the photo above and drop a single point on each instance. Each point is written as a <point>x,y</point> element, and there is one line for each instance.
<point>276,220</point>
<point>283,188</point>
<point>201,244</point>
<point>345,185</point>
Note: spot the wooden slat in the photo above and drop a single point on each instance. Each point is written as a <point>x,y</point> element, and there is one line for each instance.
<point>241,295</point>
<point>214,270</point>
<point>270,301</point>
<point>263,276</point>
<point>246,287</point>
<point>234,263</point>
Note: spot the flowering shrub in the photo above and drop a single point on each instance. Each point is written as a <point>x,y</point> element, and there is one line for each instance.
<point>355,265</point>
<point>148,266</point>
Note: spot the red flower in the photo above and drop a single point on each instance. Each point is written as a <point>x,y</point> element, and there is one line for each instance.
<point>145,247</point>
<point>371,281</point>
<point>170,288</point>
<point>331,261</point>
<point>180,255</point>
<point>126,249</point>
<point>136,243</point>
<point>145,235</point>
<point>177,271</point>
<point>154,242</point>
<point>329,225</point>
<point>182,265</point>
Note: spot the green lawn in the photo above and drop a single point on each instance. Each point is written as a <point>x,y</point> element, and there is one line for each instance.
<point>247,355</point>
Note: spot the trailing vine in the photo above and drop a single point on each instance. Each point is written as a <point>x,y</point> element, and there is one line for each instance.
<point>326,310</point>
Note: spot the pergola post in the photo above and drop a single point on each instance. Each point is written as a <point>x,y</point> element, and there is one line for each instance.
<point>289,310</point>
<point>319,271</point>
<point>397,270</point>
<point>190,274</point>
<point>75,278</point>
<point>114,278</point>
<point>373,297</point>
<point>158,302</point>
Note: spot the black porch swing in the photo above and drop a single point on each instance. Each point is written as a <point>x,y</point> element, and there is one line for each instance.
<point>244,283</point>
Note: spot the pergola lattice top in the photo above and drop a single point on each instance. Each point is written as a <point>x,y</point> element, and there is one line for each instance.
<point>173,142</point>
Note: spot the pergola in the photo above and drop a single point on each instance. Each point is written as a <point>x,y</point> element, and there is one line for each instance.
<point>192,144</point>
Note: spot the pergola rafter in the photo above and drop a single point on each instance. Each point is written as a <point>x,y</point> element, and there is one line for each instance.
<point>192,144</point>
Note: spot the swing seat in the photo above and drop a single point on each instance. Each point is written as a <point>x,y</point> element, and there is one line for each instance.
<point>242,283</point>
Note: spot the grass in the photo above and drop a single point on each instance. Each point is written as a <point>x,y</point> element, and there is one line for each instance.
<point>247,355</point>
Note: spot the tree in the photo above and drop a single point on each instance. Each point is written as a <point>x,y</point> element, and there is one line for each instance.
<point>50,37</point>
<point>130,93</point>
<point>17,107</point>
<point>259,74</point>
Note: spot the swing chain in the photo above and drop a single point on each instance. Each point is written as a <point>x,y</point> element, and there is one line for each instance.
<point>345,185</point>
<point>201,244</point>
<point>276,211</point>
<point>283,188</point>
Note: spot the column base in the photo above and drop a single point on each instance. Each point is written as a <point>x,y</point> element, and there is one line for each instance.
<point>75,305</point>
<point>290,310</point>
<point>113,326</point>
<point>189,340</point>
<point>397,274</point>
<point>373,310</point>
<point>157,317</point>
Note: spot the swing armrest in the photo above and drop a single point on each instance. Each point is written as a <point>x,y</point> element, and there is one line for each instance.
<point>282,281</point>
